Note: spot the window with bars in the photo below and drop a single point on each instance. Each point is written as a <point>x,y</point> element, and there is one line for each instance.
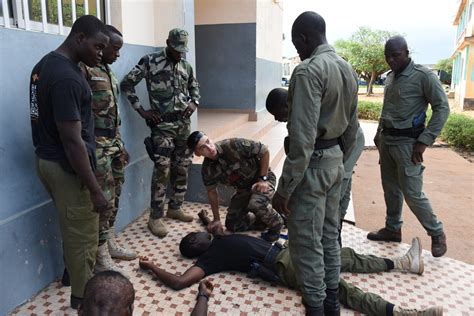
<point>50,16</point>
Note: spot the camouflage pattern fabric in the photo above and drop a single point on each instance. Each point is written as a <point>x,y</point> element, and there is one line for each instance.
<point>238,165</point>
<point>170,86</point>
<point>105,92</point>
<point>110,151</point>
<point>244,202</point>
<point>172,160</point>
<point>111,163</point>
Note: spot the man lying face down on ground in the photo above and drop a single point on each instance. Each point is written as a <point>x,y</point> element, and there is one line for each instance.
<point>271,262</point>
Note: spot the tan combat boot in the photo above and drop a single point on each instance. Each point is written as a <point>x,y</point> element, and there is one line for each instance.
<point>157,227</point>
<point>432,311</point>
<point>116,250</point>
<point>179,215</point>
<point>103,260</point>
<point>412,261</point>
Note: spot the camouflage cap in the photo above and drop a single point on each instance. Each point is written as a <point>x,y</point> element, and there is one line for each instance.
<point>178,40</point>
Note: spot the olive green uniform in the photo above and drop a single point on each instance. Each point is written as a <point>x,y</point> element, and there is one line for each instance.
<point>322,103</point>
<point>349,295</point>
<point>406,97</point>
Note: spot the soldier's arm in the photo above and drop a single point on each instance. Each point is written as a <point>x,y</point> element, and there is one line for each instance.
<point>193,86</point>
<point>304,117</point>
<point>213,198</point>
<point>76,153</point>
<point>130,80</point>
<point>436,96</point>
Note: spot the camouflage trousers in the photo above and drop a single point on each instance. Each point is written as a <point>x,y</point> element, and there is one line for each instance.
<point>172,159</point>
<point>244,202</point>
<point>111,162</point>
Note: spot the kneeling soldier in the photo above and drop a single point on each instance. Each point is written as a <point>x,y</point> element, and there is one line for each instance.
<point>242,164</point>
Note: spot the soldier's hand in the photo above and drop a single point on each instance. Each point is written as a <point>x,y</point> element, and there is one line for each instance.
<point>417,155</point>
<point>190,110</point>
<point>126,157</point>
<point>150,115</point>
<point>260,186</point>
<point>377,140</point>
<point>280,204</point>
<point>99,201</point>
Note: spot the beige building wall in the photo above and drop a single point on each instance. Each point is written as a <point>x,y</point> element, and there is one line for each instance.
<point>138,21</point>
<point>225,11</point>
<point>169,14</point>
<point>147,22</point>
<point>269,30</point>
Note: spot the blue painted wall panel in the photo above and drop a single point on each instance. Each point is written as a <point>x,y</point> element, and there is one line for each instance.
<point>268,78</point>
<point>226,65</point>
<point>30,254</point>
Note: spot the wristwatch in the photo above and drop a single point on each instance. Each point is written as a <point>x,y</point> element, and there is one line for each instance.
<point>264,178</point>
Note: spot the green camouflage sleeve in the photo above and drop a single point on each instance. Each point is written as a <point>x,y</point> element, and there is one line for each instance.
<point>208,179</point>
<point>132,79</point>
<point>436,96</point>
<point>193,86</point>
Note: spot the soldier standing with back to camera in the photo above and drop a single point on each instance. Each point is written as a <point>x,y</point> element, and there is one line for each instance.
<point>173,92</point>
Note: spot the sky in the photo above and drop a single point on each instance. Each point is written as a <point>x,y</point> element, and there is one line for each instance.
<point>426,24</point>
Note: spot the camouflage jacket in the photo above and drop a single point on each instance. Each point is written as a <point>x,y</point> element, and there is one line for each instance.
<point>170,86</point>
<point>237,164</point>
<point>105,91</point>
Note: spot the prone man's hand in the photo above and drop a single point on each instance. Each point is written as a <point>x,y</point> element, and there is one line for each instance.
<point>206,287</point>
<point>215,227</point>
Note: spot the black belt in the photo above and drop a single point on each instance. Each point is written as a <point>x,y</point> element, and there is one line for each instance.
<point>412,132</point>
<point>325,143</point>
<point>172,117</point>
<point>167,118</point>
<point>105,132</point>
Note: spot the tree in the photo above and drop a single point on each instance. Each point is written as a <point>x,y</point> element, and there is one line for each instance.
<point>445,66</point>
<point>365,52</point>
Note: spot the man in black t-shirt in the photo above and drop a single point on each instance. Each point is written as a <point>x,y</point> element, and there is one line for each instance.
<point>63,136</point>
<point>258,257</point>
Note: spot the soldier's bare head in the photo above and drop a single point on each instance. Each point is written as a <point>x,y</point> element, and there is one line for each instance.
<point>108,293</point>
<point>307,33</point>
<point>86,41</point>
<point>202,145</point>
<point>396,53</point>
<point>276,104</point>
<point>112,51</point>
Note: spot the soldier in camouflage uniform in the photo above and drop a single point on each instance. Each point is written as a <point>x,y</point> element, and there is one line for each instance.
<point>110,151</point>
<point>173,92</point>
<point>244,165</point>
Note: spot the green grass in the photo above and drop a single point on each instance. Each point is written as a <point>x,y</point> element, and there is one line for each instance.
<point>369,110</point>
<point>457,132</point>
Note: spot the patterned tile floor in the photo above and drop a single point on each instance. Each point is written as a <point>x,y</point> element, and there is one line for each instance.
<point>446,282</point>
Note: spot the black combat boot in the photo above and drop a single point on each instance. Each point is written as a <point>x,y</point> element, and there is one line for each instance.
<point>331,303</point>
<point>314,311</point>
